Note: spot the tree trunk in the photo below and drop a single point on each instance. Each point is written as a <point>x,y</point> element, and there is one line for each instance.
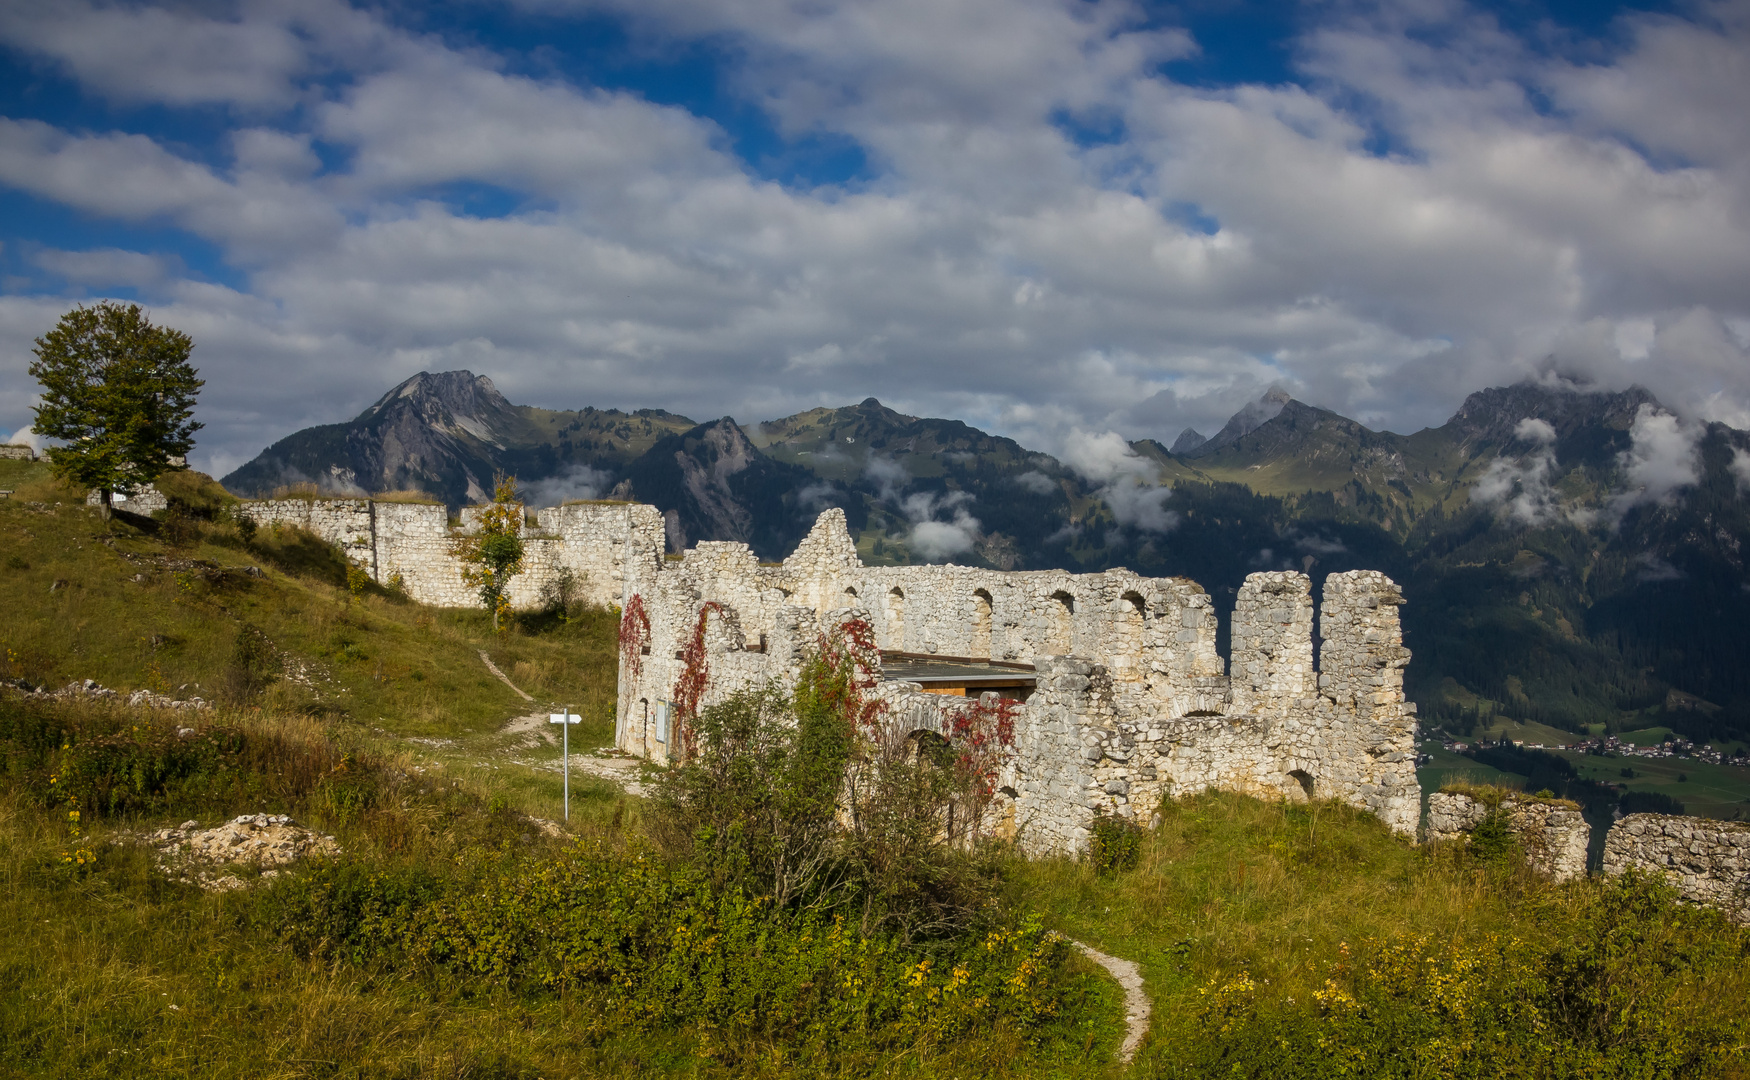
<point>108,506</point>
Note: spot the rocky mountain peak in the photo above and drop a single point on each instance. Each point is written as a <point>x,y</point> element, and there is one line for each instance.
<point>1249,419</point>
<point>1494,414</point>
<point>1188,440</point>
<point>454,401</point>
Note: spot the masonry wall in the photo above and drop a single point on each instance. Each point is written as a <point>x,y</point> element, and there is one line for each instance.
<point>1132,701</point>
<point>1553,833</point>
<point>598,542</point>
<point>17,453</point>
<point>1708,861</point>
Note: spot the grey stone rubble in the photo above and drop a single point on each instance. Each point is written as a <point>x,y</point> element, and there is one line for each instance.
<point>1132,701</point>
<point>93,690</point>
<point>269,842</point>
<point>1707,861</point>
<point>17,453</point>
<point>1553,834</point>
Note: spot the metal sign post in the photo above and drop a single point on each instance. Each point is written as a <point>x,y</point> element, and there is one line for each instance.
<point>565,720</point>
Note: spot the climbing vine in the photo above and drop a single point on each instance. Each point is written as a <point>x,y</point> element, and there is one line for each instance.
<point>982,733</point>
<point>689,686</point>
<point>634,635</point>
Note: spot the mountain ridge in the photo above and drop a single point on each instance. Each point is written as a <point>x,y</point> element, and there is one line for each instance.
<point>1543,584</point>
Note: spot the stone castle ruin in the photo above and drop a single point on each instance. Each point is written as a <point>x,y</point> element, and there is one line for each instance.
<point>1120,696</point>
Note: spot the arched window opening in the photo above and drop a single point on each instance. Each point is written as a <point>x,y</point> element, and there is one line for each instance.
<point>1124,651</point>
<point>1305,780</point>
<point>981,620</point>
<point>896,620</point>
<point>1060,611</point>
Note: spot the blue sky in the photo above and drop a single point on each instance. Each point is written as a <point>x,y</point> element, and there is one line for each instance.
<point>1056,219</point>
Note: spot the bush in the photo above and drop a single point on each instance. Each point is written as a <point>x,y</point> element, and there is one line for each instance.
<point>654,948</point>
<point>1114,843</point>
<point>1493,840</point>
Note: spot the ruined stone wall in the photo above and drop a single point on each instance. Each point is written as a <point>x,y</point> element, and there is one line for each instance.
<point>1272,642</point>
<point>1708,861</point>
<point>146,500</point>
<point>1552,832</point>
<point>1132,702</point>
<point>17,453</point>
<point>347,523</point>
<point>600,543</point>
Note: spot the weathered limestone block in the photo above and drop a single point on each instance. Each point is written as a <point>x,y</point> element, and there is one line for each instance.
<point>1708,861</point>
<point>1553,833</point>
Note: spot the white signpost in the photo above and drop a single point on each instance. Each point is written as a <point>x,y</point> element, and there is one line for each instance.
<point>565,720</point>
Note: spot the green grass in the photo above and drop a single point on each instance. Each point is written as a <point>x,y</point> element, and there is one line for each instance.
<point>1445,767</point>
<point>1715,791</point>
<point>1281,893</point>
<point>112,603</point>
<point>1652,736</point>
<point>1527,732</point>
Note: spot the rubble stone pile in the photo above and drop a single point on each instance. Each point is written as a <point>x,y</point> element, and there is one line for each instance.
<point>194,855</point>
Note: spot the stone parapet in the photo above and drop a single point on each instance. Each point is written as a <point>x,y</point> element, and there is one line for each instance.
<point>1708,861</point>
<point>17,453</point>
<point>1553,833</point>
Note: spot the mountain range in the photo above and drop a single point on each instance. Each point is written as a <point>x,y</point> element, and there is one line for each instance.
<point>1571,557</point>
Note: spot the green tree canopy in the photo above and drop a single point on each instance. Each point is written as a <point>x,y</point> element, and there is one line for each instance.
<point>493,555</point>
<point>119,392</point>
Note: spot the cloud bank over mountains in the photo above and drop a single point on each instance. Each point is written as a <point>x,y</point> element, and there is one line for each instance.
<point>1025,213</point>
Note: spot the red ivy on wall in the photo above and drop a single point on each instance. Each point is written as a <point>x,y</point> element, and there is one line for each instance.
<point>695,674</point>
<point>983,732</point>
<point>634,635</point>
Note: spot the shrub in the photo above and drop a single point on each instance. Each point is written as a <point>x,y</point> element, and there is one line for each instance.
<point>1493,840</point>
<point>654,947</point>
<point>1114,842</point>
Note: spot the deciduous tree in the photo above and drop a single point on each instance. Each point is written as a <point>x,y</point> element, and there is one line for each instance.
<point>119,392</point>
<point>494,554</point>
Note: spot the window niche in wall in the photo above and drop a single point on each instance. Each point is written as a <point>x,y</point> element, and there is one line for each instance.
<point>981,621</point>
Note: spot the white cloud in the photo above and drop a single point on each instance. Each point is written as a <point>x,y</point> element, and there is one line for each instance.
<point>1521,486</point>
<point>27,437</point>
<point>1036,482</point>
<point>574,482</point>
<point>988,267</point>
<point>888,475</point>
<point>104,266</point>
<point>933,539</point>
<point>1662,457</point>
<point>936,540</point>
<point>1741,469</point>
<point>1129,483</point>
